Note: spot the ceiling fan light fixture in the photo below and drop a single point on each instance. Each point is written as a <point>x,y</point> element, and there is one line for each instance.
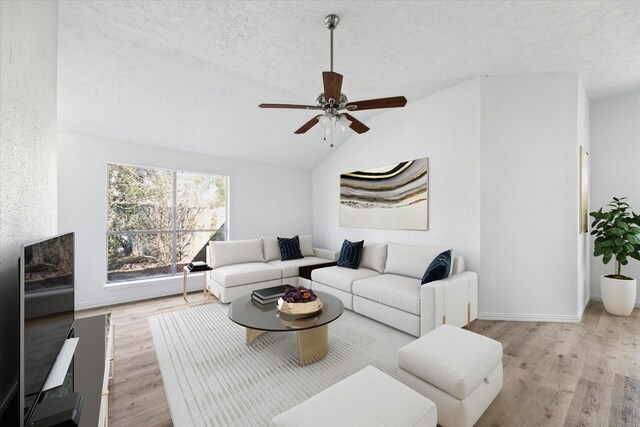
<point>325,120</point>
<point>343,122</point>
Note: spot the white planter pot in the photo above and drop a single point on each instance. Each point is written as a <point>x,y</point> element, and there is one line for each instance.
<point>618,296</point>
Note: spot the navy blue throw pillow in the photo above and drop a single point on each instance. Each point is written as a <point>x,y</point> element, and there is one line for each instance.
<point>439,268</point>
<point>289,248</point>
<point>350,254</point>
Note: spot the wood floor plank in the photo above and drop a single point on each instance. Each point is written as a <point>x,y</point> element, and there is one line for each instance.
<point>625,401</point>
<point>555,374</point>
<point>590,404</point>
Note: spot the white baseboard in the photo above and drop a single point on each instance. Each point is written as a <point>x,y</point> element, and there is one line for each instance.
<point>125,293</point>
<point>558,318</point>
<point>599,298</point>
<point>584,307</point>
<point>518,317</point>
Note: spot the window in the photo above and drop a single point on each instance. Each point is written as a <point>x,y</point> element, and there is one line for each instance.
<point>160,220</point>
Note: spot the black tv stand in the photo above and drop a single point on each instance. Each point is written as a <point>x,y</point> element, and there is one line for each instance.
<point>88,374</point>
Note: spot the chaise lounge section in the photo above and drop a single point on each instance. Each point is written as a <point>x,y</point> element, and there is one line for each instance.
<point>387,287</point>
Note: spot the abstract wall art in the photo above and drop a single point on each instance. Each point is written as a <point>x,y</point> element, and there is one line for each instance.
<point>393,197</point>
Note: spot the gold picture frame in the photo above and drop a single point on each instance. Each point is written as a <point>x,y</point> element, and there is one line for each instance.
<point>584,191</point>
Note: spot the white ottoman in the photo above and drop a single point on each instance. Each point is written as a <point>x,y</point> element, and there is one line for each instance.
<point>367,398</point>
<point>460,371</point>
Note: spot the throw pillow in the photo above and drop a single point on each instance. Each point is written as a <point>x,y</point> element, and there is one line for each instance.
<point>439,268</point>
<point>289,248</point>
<point>350,254</point>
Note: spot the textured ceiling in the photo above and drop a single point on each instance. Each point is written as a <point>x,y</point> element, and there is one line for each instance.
<point>189,74</point>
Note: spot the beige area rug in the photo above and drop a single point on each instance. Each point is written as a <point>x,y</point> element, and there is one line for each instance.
<point>212,378</point>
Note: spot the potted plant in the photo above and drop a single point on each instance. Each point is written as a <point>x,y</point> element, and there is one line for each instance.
<point>617,234</point>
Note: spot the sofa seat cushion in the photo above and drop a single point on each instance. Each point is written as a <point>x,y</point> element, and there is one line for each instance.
<point>396,291</point>
<point>341,278</point>
<point>242,274</point>
<point>367,398</point>
<point>290,267</point>
<point>452,359</point>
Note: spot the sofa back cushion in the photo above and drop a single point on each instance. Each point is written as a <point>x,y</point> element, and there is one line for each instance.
<point>236,252</point>
<point>409,260</point>
<point>271,248</point>
<point>458,265</point>
<point>306,245</point>
<point>374,256</point>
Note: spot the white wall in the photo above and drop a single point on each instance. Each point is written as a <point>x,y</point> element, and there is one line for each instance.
<point>28,68</point>
<point>529,197</point>
<point>615,170</point>
<point>503,188</point>
<point>264,200</point>
<point>444,127</point>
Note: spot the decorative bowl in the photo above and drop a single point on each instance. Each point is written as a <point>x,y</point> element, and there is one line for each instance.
<point>299,308</point>
<point>298,322</point>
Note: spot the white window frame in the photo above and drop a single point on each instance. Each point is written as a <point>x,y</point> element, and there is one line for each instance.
<point>174,231</point>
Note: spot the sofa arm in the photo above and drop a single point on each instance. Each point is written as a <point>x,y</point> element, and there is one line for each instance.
<point>326,254</point>
<point>453,300</point>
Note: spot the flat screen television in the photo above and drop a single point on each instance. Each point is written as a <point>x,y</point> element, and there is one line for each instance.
<point>46,312</point>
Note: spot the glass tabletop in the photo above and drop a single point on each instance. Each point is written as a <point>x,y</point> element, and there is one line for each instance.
<point>245,312</point>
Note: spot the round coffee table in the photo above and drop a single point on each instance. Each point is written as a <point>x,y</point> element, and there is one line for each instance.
<point>312,331</point>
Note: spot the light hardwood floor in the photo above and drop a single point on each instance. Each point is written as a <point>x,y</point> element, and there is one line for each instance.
<point>555,374</point>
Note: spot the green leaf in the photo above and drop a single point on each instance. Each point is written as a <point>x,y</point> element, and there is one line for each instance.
<point>620,241</point>
<point>616,231</point>
<point>606,258</point>
<point>635,255</point>
<point>628,247</point>
<point>607,243</point>
<point>621,224</point>
<point>632,239</point>
<point>621,257</point>
<point>598,251</point>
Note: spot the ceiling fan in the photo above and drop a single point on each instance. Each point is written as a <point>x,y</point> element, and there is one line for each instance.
<point>334,103</point>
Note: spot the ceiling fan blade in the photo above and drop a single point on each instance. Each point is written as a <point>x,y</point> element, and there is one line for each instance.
<point>332,85</point>
<point>311,123</point>
<point>292,106</point>
<point>356,124</point>
<point>373,104</point>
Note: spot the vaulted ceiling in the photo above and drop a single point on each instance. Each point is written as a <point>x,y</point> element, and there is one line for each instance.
<point>189,75</point>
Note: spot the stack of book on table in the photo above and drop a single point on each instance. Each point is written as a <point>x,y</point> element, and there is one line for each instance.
<point>268,296</point>
<point>198,266</point>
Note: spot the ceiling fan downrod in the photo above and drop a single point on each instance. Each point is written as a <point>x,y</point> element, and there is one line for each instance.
<point>331,22</point>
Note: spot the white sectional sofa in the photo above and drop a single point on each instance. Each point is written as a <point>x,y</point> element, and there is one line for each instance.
<point>241,266</point>
<point>387,287</point>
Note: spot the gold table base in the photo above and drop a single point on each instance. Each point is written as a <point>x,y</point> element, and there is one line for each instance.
<point>312,343</point>
<point>206,292</point>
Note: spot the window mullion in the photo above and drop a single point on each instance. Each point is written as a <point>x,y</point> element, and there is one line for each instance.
<point>174,223</point>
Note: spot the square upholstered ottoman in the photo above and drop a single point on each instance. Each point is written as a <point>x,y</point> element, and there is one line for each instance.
<point>368,398</point>
<point>460,371</point>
